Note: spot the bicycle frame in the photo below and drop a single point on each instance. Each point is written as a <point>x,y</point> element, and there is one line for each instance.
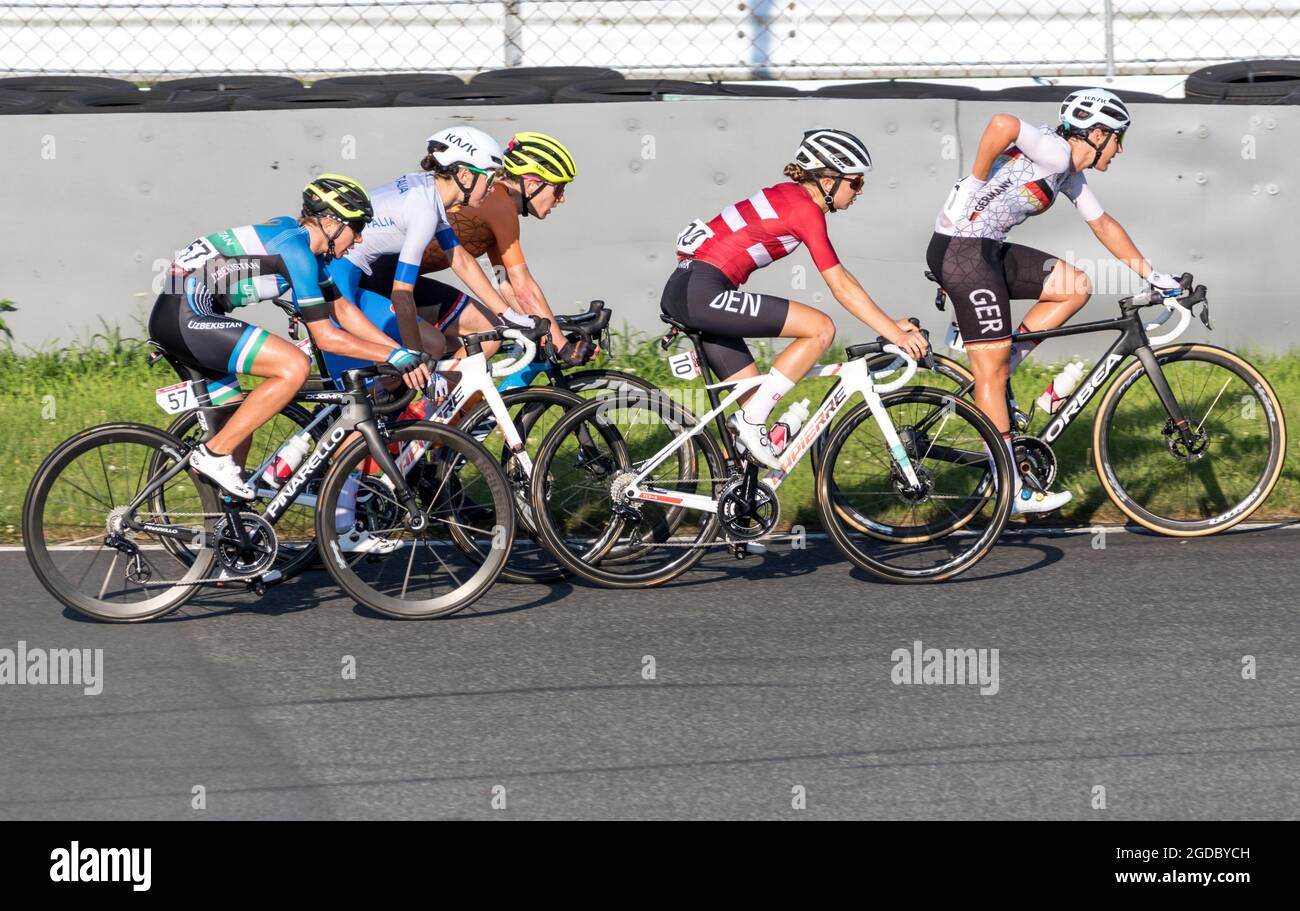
<point>355,414</point>
<point>1132,340</point>
<point>854,378</point>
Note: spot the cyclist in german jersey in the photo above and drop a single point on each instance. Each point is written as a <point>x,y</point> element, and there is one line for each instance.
<point>716,257</point>
<point>538,169</point>
<point>221,272</point>
<point>1018,172</point>
<point>460,167</point>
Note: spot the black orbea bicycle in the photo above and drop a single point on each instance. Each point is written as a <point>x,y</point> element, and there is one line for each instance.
<point>1188,439</point>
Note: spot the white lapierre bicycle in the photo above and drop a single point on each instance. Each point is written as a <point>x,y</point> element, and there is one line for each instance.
<point>617,509</point>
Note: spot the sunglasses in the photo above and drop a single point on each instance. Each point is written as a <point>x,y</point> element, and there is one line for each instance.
<point>557,188</point>
<point>1119,138</point>
<point>358,226</point>
<point>856,182</point>
<point>490,175</point>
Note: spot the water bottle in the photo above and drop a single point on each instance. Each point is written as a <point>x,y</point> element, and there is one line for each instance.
<point>1059,389</point>
<point>287,460</point>
<point>784,430</point>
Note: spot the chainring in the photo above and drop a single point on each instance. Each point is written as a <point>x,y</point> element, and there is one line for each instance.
<point>1036,460</point>
<point>245,561</point>
<point>745,520</point>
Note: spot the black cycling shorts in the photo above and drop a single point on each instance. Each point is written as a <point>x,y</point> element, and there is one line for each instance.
<point>218,346</point>
<point>982,276</point>
<point>439,302</point>
<point>699,295</point>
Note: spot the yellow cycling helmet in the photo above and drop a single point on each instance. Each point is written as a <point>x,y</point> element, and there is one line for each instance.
<point>541,156</point>
<point>342,197</point>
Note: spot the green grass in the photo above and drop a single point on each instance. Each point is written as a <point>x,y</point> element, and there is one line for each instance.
<point>48,395</point>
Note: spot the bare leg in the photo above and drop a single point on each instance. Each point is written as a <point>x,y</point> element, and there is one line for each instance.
<point>285,369</point>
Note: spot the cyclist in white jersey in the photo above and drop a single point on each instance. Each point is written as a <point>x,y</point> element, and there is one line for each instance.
<point>1018,172</point>
<point>410,213</point>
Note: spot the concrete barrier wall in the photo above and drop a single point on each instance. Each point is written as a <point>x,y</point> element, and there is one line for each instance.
<point>96,204</point>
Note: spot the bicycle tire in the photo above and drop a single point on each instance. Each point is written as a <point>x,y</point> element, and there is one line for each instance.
<point>443,445</point>
<point>1103,430</point>
<point>836,527</point>
<point>38,551</point>
<point>590,564</point>
<point>527,405</point>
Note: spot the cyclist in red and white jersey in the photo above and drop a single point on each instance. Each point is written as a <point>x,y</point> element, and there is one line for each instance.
<point>716,257</point>
<point>1018,172</point>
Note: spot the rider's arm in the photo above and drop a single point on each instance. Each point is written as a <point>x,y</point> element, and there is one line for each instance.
<point>1115,239</point>
<point>315,296</point>
<point>349,316</point>
<point>855,299</point>
<point>480,286</point>
<point>528,297</point>
<point>423,228</point>
<point>1002,131</point>
<point>1110,232</point>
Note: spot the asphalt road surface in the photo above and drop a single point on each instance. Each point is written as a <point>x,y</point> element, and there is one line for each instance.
<point>773,695</point>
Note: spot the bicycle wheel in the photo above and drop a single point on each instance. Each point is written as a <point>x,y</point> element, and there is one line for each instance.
<point>585,463</point>
<point>1224,476</point>
<point>590,383</point>
<point>951,461</point>
<point>80,494</point>
<point>431,573</point>
<point>534,411</point>
<point>296,529</point>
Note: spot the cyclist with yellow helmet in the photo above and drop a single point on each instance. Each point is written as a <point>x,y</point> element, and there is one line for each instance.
<point>537,168</point>
<point>222,272</point>
<point>460,167</point>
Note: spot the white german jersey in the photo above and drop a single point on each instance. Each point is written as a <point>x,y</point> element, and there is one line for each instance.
<point>1023,182</point>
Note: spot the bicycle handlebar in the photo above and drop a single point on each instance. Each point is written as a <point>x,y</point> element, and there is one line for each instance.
<point>519,362</point>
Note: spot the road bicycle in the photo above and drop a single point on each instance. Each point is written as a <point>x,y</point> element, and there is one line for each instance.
<point>141,544</point>
<point>1188,439</point>
<point>613,504</point>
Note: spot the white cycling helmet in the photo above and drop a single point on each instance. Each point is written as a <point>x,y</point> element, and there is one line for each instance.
<point>466,147</point>
<point>838,150</point>
<point>834,150</point>
<point>1088,108</point>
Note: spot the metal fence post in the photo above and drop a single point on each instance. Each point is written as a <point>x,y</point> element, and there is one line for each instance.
<point>512,30</point>
<point>760,19</point>
<point>1108,11</point>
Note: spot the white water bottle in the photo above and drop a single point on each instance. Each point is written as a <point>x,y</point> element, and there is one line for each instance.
<point>784,430</point>
<point>287,460</point>
<point>1059,389</point>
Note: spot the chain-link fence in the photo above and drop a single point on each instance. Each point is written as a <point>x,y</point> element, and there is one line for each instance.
<point>730,39</point>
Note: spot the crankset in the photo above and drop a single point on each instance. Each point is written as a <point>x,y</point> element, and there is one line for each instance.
<point>245,544</point>
<point>1035,461</point>
<point>748,509</point>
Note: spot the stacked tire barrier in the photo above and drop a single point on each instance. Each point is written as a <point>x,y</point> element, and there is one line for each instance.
<point>1243,82</point>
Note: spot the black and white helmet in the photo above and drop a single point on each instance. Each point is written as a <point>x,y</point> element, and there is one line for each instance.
<point>1088,108</point>
<point>838,150</point>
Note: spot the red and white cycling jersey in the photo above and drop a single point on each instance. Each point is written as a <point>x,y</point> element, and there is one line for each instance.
<point>758,230</point>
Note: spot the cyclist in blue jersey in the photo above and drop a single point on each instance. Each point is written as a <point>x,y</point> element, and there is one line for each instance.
<point>219,273</point>
<point>459,169</point>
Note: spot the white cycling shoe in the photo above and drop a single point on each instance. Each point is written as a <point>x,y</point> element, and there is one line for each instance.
<point>363,542</point>
<point>754,441</point>
<point>222,471</point>
<point>1030,502</point>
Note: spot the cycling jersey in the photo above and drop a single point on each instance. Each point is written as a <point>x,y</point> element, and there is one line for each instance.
<point>409,215</point>
<point>1023,182</point>
<point>492,228</point>
<point>230,269</point>
<point>759,230</point>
